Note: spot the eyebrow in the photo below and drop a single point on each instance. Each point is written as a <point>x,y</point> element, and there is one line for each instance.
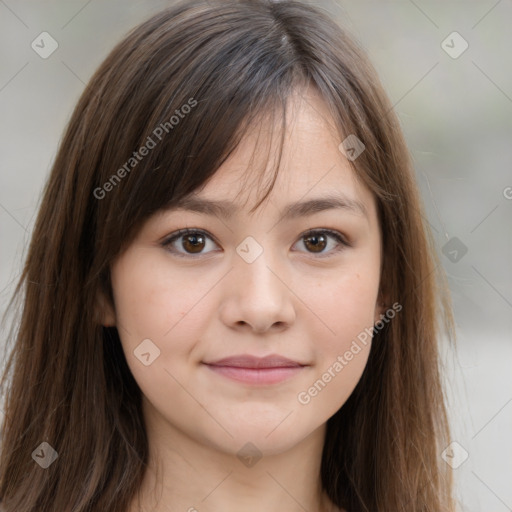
<point>226,209</point>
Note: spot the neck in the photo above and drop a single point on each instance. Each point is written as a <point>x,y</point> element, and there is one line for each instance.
<point>184,474</point>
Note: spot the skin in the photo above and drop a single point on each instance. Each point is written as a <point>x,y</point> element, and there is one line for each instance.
<point>305,304</point>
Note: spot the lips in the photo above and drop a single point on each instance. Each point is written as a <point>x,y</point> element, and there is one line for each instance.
<point>252,362</point>
<point>256,371</point>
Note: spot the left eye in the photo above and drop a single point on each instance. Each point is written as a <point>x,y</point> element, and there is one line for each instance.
<point>194,241</point>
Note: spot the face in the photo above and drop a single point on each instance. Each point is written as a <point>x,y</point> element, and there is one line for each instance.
<point>301,286</point>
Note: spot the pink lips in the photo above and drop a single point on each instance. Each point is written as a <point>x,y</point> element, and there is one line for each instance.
<point>245,368</point>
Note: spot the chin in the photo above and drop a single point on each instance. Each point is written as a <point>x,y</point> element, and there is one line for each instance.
<point>268,437</point>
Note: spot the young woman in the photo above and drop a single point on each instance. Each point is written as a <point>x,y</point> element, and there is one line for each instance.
<point>231,300</point>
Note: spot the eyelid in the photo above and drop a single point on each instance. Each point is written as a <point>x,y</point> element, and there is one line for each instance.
<point>167,241</point>
<point>342,240</point>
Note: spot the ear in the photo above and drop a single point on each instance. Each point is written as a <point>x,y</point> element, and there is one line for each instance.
<point>381,306</point>
<point>104,311</point>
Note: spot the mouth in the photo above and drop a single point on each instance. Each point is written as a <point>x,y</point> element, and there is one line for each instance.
<point>253,370</point>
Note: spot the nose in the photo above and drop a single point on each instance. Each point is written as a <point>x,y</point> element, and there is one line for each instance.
<point>257,297</point>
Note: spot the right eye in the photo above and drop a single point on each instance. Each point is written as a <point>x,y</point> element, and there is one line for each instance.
<point>193,240</point>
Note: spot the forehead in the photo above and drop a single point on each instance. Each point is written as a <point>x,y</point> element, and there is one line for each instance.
<point>226,209</point>
<point>312,174</point>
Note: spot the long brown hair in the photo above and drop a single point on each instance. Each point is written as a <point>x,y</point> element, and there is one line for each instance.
<point>70,386</point>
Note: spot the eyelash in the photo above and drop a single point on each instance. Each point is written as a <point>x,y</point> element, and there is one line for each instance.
<point>191,231</point>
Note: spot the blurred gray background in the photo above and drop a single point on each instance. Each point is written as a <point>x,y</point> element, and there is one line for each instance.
<point>453,95</point>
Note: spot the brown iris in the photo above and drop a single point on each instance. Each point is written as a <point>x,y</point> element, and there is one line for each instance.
<point>196,243</point>
<point>317,245</point>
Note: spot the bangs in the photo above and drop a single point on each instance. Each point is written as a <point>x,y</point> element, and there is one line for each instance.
<point>176,117</point>
<point>178,136</point>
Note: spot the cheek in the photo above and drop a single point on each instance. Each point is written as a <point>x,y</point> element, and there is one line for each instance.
<point>150,313</point>
<point>155,303</point>
<point>149,302</point>
<point>342,345</point>
<point>346,306</point>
